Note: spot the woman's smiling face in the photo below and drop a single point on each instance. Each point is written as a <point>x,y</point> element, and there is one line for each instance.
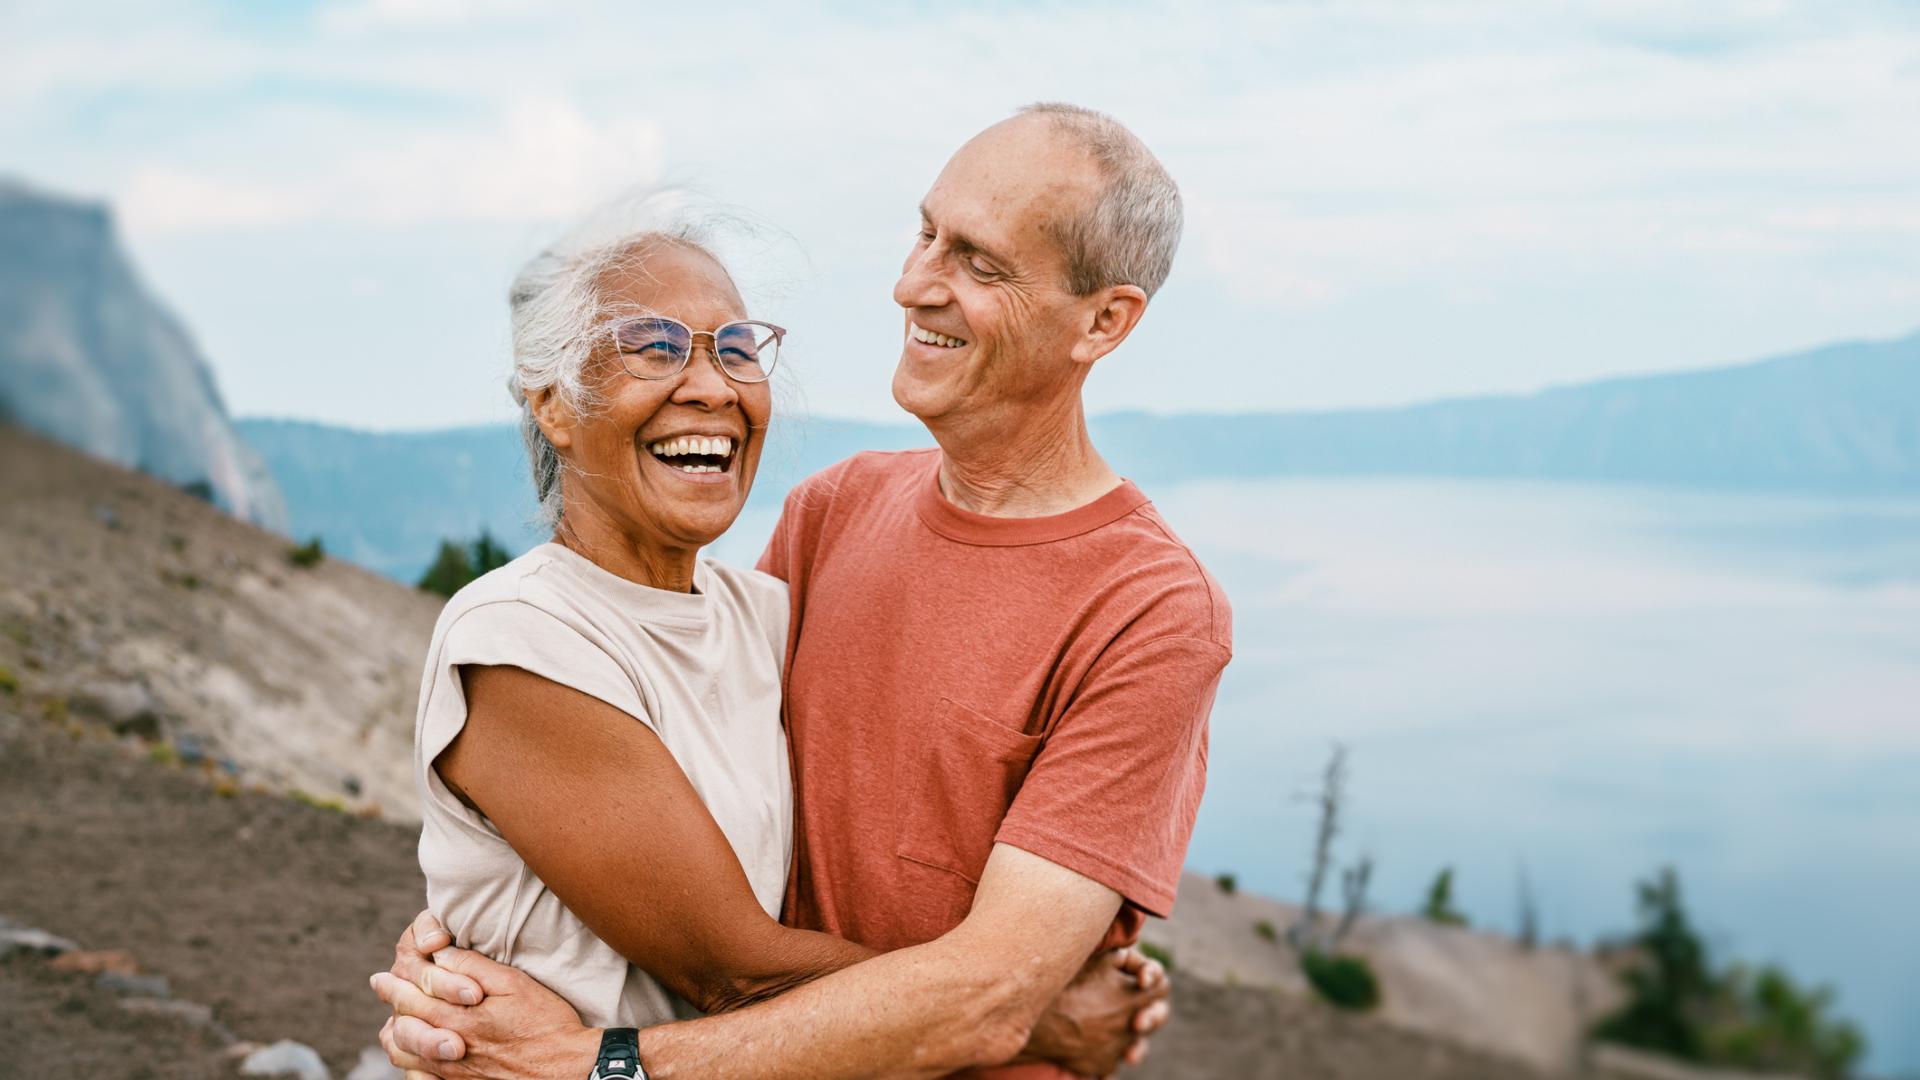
<point>628,466</point>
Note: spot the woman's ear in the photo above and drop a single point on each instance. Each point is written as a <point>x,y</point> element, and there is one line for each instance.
<point>553,414</point>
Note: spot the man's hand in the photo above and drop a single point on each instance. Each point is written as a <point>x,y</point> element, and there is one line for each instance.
<point>1102,1019</point>
<point>518,1030</point>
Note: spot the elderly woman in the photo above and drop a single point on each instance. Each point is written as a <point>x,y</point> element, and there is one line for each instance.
<point>606,797</point>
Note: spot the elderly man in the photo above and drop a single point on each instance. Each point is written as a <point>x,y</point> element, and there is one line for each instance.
<point>1000,667</point>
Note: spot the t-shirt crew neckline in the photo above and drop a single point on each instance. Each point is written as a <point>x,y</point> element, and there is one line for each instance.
<point>652,605</point>
<point>967,527</point>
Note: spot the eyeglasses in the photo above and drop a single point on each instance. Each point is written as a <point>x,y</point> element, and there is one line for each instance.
<point>656,347</point>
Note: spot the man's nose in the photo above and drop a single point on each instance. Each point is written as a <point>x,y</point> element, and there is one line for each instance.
<point>921,284</point>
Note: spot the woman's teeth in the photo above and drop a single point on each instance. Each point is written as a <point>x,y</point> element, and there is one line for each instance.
<point>696,451</point>
<point>928,337</point>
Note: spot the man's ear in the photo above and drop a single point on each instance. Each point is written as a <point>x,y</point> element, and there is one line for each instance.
<point>1118,311</point>
<point>553,414</point>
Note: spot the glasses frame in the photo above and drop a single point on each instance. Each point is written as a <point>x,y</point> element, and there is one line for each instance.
<point>693,344</point>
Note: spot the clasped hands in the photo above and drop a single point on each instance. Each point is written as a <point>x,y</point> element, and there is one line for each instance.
<point>460,1016</point>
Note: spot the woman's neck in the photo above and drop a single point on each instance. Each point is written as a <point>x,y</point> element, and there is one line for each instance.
<point>598,541</point>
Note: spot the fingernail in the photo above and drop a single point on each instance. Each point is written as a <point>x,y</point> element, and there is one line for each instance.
<point>446,1050</point>
<point>373,981</point>
<point>468,996</point>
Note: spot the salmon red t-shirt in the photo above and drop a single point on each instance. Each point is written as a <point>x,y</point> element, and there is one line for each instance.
<point>956,680</point>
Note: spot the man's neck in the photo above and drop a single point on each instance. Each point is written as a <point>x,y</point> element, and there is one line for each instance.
<point>1037,467</point>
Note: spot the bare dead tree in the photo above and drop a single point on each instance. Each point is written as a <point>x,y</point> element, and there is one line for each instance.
<point>1303,934</point>
<point>1529,912</point>
<point>1353,888</point>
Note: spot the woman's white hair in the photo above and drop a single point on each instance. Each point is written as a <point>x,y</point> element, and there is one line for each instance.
<point>559,309</point>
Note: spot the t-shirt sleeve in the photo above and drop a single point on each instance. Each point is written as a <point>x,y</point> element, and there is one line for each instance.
<point>1114,791</point>
<point>518,634</point>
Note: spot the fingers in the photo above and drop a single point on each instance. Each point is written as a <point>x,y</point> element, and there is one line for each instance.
<point>1153,974</point>
<point>1136,1053</point>
<point>1153,1017</point>
<point>409,1003</point>
<point>486,977</point>
<point>447,985</point>
<point>415,1066</point>
<point>429,935</point>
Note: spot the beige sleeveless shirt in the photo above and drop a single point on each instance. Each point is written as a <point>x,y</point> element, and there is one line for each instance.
<point>702,670</point>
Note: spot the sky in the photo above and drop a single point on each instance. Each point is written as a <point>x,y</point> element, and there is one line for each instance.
<point>1386,202</point>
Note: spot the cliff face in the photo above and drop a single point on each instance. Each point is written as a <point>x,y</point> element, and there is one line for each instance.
<point>88,357</point>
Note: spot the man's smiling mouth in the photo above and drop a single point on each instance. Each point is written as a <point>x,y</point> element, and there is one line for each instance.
<point>695,453</point>
<point>928,337</point>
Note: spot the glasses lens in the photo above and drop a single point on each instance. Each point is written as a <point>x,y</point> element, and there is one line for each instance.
<point>652,348</point>
<point>748,350</point>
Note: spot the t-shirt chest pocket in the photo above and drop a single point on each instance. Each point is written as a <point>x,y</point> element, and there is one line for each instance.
<point>958,775</point>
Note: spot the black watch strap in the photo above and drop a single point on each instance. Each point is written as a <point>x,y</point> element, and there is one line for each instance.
<point>619,1056</point>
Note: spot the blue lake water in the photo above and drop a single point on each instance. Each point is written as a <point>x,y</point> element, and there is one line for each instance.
<point>1590,681</point>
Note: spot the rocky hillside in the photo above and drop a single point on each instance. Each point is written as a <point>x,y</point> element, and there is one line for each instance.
<point>90,358</point>
<point>128,602</point>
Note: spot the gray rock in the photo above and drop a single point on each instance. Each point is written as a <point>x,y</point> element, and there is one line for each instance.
<point>28,940</point>
<point>373,1065</point>
<point>90,358</point>
<point>153,986</point>
<point>286,1058</point>
<point>125,706</point>
<point>190,1013</point>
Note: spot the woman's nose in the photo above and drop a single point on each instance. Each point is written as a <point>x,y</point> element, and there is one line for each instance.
<point>703,382</point>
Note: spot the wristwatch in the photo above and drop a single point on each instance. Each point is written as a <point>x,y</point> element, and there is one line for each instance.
<point>619,1056</point>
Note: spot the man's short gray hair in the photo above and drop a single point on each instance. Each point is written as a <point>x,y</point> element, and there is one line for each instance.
<point>1129,232</point>
<point>558,311</point>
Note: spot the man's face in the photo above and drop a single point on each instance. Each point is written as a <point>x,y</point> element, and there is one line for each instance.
<point>990,325</point>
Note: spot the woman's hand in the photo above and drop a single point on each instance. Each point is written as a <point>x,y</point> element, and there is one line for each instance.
<point>1103,1018</point>
<point>517,1030</point>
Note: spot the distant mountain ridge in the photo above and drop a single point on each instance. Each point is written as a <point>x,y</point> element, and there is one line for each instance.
<point>1841,418</point>
<point>90,358</point>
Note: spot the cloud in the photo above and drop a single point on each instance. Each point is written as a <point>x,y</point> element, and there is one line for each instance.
<point>539,161</point>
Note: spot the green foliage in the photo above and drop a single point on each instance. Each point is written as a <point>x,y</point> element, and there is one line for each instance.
<point>307,555</point>
<point>163,754</point>
<point>1752,1019</point>
<point>1227,882</point>
<point>9,682</point>
<point>1265,931</point>
<point>199,489</point>
<point>319,803</point>
<point>456,564</point>
<point>1439,906</point>
<point>1343,980</point>
<point>1157,952</point>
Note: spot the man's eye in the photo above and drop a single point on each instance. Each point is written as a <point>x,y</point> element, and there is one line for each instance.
<point>980,268</point>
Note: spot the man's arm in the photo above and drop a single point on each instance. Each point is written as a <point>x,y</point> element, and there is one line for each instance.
<point>969,998</point>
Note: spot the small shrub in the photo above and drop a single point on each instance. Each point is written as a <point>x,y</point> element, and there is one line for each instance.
<point>163,754</point>
<point>308,555</point>
<point>9,683</point>
<point>456,564</point>
<point>1342,980</point>
<point>319,803</point>
<point>1157,952</point>
<point>1439,906</point>
<point>55,710</point>
<point>199,489</point>
<point>1228,883</point>
<point>1265,931</point>
<point>226,787</point>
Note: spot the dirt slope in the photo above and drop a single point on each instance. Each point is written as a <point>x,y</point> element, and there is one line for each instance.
<point>126,601</point>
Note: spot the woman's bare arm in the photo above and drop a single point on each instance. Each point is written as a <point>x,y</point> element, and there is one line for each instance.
<point>599,808</point>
